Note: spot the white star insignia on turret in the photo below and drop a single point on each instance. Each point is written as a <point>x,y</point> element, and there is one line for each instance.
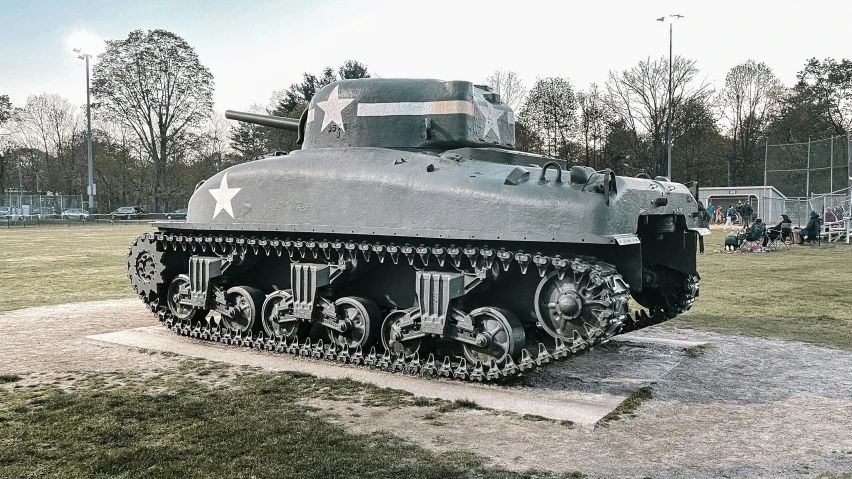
<point>491,115</point>
<point>223,196</point>
<point>333,108</point>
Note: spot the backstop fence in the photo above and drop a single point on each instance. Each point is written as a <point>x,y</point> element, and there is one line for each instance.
<point>814,168</point>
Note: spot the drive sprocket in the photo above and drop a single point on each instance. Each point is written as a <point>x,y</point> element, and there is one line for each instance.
<point>149,270</point>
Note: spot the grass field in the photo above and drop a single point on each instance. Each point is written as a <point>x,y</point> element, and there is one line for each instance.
<point>174,425</point>
<point>62,264</point>
<point>801,293</point>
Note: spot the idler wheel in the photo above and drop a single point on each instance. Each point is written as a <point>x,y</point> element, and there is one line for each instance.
<point>500,334</point>
<point>278,320</point>
<point>362,319</point>
<point>244,304</point>
<point>394,328</point>
<point>177,297</point>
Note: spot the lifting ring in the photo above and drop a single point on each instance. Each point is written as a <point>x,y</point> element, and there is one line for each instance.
<point>541,178</point>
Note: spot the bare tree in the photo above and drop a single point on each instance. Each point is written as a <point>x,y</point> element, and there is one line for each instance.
<point>639,97</point>
<point>549,112</point>
<point>751,95</point>
<point>49,123</point>
<point>6,144</point>
<point>594,117</point>
<point>509,86</point>
<point>154,83</point>
<point>216,141</point>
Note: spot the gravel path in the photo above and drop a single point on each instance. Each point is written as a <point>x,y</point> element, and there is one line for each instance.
<point>747,408</point>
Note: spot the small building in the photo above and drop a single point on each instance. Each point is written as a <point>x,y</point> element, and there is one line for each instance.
<point>766,201</point>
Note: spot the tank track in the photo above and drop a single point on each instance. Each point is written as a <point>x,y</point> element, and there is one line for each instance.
<point>429,367</point>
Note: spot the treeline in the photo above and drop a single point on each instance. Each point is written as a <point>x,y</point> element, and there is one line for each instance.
<point>156,135</point>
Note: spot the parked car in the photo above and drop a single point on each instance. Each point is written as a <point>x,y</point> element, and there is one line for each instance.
<point>179,214</point>
<point>75,214</point>
<point>127,213</point>
<point>5,211</point>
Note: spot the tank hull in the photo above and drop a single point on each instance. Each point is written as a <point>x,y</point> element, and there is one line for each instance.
<point>417,197</point>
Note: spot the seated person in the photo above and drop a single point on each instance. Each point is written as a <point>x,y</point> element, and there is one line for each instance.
<point>785,223</point>
<point>829,216</point>
<point>755,231</point>
<point>811,229</point>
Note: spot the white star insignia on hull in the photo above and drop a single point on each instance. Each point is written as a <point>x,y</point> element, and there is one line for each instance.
<point>223,196</point>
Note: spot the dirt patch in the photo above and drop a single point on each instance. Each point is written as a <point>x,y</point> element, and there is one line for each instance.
<point>748,407</point>
<point>52,338</point>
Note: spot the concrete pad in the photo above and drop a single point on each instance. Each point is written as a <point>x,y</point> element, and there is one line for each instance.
<point>640,338</point>
<point>579,407</point>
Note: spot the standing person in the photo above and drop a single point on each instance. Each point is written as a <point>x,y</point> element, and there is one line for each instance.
<point>746,211</point>
<point>712,211</point>
<point>719,214</point>
<point>703,216</point>
<point>729,218</point>
<point>738,217</point>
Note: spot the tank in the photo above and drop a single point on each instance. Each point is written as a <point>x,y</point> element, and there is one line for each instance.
<point>408,234</point>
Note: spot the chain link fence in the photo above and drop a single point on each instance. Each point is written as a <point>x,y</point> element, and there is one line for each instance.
<point>30,204</point>
<point>806,170</point>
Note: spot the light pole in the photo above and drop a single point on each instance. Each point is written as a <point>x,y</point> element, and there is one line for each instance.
<point>671,99</point>
<point>85,56</point>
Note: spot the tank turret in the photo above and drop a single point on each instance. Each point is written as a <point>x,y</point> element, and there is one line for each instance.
<point>395,113</point>
<point>408,234</point>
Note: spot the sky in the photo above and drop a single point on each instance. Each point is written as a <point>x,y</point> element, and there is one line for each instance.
<point>254,47</point>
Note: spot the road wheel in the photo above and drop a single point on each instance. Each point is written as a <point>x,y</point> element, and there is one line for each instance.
<point>278,320</point>
<point>364,320</point>
<point>502,336</point>
<point>244,303</point>
<point>178,295</point>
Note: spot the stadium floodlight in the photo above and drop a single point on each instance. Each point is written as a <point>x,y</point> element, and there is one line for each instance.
<point>86,45</point>
<point>671,97</point>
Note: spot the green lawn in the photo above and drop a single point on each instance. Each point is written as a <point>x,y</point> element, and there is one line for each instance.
<point>174,425</point>
<point>799,294</point>
<point>64,264</point>
<point>802,293</point>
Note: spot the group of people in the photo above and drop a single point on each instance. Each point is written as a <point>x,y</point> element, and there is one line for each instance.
<point>758,230</point>
<point>739,213</point>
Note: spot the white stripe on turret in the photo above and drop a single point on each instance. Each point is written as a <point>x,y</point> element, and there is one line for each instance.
<point>451,107</point>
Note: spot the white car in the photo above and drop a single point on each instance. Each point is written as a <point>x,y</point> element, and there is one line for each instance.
<point>75,214</point>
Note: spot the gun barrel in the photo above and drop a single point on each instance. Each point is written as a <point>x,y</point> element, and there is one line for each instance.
<point>281,123</point>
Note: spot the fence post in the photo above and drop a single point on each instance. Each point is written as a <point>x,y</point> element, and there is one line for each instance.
<point>831,170</point>
<point>849,161</point>
<point>765,162</point>
<point>808,173</point>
